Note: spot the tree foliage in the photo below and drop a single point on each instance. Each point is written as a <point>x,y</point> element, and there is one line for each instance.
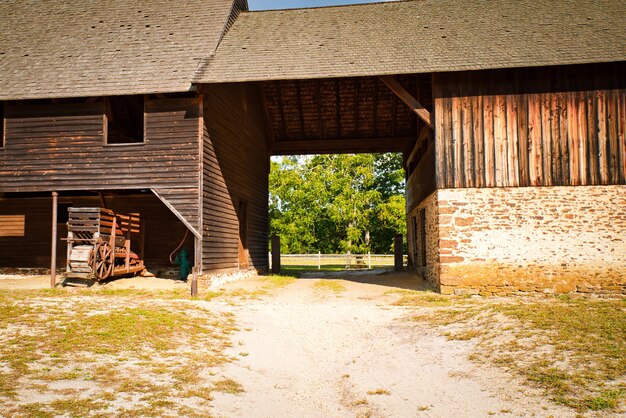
<point>337,203</point>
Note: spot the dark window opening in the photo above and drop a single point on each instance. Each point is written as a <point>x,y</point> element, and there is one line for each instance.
<point>1,125</point>
<point>423,236</point>
<point>62,213</point>
<point>124,120</point>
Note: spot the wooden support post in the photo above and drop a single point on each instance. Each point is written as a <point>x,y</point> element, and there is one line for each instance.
<point>142,238</point>
<point>397,252</point>
<point>127,237</point>
<point>408,99</point>
<point>53,251</point>
<point>275,254</point>
<point>194,282</point>
<point>197,255</point>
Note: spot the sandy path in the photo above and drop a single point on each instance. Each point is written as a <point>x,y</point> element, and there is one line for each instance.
<point>306,352</point>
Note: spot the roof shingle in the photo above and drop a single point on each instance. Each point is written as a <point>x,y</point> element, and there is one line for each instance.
<point>416,37</point>
<point>64,48</point>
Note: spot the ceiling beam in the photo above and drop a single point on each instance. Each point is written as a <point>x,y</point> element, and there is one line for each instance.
<point>339,146</point>
<point>407,98</point>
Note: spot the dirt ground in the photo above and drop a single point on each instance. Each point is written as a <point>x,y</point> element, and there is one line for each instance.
<point>310,350</point>
<point>334,345</point>
<point>137,283</point>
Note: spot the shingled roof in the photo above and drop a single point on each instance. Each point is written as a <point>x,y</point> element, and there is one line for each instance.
<point>416,37</point>
<point>66,48</point>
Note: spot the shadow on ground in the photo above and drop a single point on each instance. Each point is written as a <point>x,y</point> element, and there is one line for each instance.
<point>381,277</point>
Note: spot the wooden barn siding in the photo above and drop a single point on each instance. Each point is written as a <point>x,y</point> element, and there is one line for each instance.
<point>163,230</point>
<point>552,126</point>
<point>236,168</point>
<point>421,182</point>
<point>61,147</point>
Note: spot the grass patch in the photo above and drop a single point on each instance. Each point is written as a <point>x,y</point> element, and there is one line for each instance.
<point>378,392</point>
<point>143,350</point>
<point>421,298</point>
<point>298,270</point>
<point>276,281</point>
<point>590,336</point>
<point>228,386</point>
<point>464,335</point>
<point>574,349</point>
<point>334,286</point>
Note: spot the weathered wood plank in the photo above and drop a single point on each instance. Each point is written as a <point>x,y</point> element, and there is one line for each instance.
<point>489,135</point>
<point>440,132</point>
<point>603,143</point>
<point>534,134</point>
<point>500,141</point>
<point>621,110</point>
<point>612,120</point>
<point>479,141</point>
<point>513,140</point>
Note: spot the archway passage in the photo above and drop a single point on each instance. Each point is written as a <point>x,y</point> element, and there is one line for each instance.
<point>247,123</point>
<point>337,211</point>
<point>357,115</point>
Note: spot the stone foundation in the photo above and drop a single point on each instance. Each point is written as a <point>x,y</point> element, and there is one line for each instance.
<point>503,241</point>
<point>212,281</point>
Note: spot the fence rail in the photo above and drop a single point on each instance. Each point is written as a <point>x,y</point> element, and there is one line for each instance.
<point>348,261</point>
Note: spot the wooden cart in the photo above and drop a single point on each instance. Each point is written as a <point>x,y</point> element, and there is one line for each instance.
<point>99,244</point>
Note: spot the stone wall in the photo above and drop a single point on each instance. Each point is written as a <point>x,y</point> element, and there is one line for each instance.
<point>431,271</point>
<point>532,239</point>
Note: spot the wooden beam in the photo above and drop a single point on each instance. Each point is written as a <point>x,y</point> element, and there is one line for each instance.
<point>407,98</point>
<point>337,108</point>
<point>318,99</point>
<point>339,145</point>
<point>281,110</point>
<point>193,230</point>
<point>300,111</point>
<point>53,250</point>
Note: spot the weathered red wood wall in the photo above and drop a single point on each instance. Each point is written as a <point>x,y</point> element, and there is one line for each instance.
<point>236,168</point>
<point>553,126</point>
<point>60,146</point>
<point>163,231</point>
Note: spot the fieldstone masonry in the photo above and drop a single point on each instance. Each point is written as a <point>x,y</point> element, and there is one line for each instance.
<point>533,239</point>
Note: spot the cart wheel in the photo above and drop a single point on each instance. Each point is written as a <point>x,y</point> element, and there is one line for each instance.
<point>103,266</point>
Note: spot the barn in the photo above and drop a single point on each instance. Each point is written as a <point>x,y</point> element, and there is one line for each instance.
<point>510,116</point>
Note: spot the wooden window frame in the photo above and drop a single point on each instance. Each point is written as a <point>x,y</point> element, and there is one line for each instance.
<point>105,126</point>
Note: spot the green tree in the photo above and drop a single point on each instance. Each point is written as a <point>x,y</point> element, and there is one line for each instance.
<point>337,203</point>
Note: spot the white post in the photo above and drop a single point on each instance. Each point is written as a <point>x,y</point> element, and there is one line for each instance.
<point>270,259</point>
<point>369,260</point>
<point>319,260</point>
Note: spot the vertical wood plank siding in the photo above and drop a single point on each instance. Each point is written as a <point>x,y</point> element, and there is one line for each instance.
<point>236,168</point>
<point>61,147</point>
<point>531,127</point>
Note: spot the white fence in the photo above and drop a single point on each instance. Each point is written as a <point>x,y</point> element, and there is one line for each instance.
<point>348,261</point>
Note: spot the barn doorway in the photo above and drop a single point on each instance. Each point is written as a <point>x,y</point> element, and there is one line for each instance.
<point>337,211</point>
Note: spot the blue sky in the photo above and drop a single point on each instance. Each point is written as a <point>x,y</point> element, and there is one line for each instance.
<point>292,4</point>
